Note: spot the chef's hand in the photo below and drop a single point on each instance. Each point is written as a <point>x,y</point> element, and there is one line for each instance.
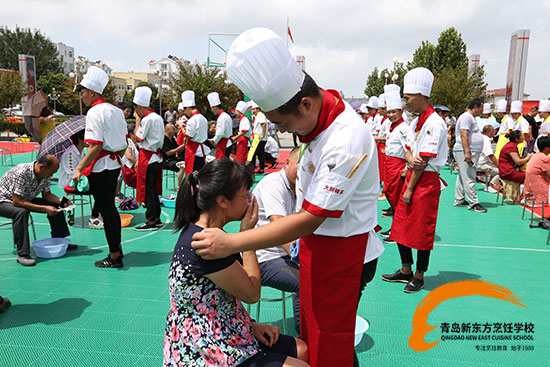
<point>137,117</point>
<point>76,175</point>
<point>250,216</point>
<point>213,243</point>
<point>407,196</point>
<point>405,171</point>
<point>419,163</point>
<point>51,210</point>
<point>266,334</point>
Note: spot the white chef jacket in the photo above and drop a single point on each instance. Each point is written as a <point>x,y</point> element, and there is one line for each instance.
<point>397,141</point>
<point>224,127</point>
<point>67,164</point>
<point>371,123</point>
<point>384,128</point>
<point>135,153</point>
<point>197,128</point>
<point>258,121</point>
<point>244,126</point>
<point>106,125</point>
<point>522,125</point>
<point>430,141</point>
<point>377,123</point>
<point>275,197</point>
<point>150,135</point>
<point>506,125</point>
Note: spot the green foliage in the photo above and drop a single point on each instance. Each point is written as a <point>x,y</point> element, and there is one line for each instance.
<point>25,41</point>
<point>68,102</point>
<point>155,103</point>
<point>450,52</point>
<point>17,128</point>
<point>12,89</point>
<point>376,80</point>
<point>204,80</point>
<point>424,56</point>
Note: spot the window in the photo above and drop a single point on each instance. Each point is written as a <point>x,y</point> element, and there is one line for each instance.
<point>163,67</point>
<point>70,54</point>
<point>164,73</point>
<point>129,87</point>
<point>121,86</point>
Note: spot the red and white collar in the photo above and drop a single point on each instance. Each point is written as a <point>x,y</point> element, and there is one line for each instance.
<point>396,124</point>
<point>149,111</point>
<point>333,105</point>
<point>423,117</point>
<point>100,100</point>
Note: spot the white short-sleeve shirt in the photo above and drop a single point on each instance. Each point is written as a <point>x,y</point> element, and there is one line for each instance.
<point>106,125</point>
<point>69,160</point>
<point>133,147</point>
<point>485,152</point>
<point>197,128</point>
<point>522,125</point>
<point>259,120</point>
<point>275,197</point>
<point>224,127</point>
<point>150,135</point>
<point>506,125</point>
<point>244,126</point>
<point>430,141</point>
<point>467,121</point>
<point>396,143</point>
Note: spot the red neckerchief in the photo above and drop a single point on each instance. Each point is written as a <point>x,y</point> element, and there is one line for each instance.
<point>99,101</point>
<point>222,111</point>
<point>330,109</point>
<point>423,117</point>
<point>149,111</point>
<point>396,124</point>
<point>195,113</point>
<point>240,118</point>
<point>384,119</point>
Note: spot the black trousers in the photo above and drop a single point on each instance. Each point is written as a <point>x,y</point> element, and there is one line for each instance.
<point>152,201</point>
<point>103,188</point>
<point>260,154</point>
<point>423,257</point>
<point>20,224</point>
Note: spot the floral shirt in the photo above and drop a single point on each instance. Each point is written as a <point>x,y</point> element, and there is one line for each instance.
<point>206,326</point>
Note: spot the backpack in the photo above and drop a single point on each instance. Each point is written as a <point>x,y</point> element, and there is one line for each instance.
<point>129,203</point>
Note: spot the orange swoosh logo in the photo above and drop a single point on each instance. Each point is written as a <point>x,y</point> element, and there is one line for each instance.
<point>448,291</point>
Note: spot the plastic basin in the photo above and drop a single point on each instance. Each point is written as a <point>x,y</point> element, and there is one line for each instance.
<point>169,203</point>
<point>50,248</point>
<point>125,219</point>
<point>361,327</point>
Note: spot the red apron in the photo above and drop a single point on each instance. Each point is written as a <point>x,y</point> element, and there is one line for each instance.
<point>414,225</point>
<point>330,274</point>
<point>143,161</point>
<point>393,183</point>
<point>242,150</point>
<point>190,151</point>
<point>129,176</point>
<point>103,153</point>
<point>220,148</point>
<point>381,147</point>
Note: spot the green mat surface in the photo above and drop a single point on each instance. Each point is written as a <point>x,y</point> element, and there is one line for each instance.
<point>66,312</point>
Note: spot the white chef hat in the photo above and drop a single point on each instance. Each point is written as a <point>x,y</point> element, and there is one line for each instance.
<point>95,79</point>
<point>259,63</point>
<point>142,96</point>
<point>391,87</point>
<point>363,108</point>
<point>393,100</point>
<point>180,106</point>
<point>373,102</point>
<point>501,105</point>
<point>242,106</point>
<point>418,80</point>
<point>516,107</point>
<point>544,105</point>
<point>382,101</point>
<point>188,98</point>
<point>486,108</point>
<point>214,99</point>
<point>254,105</point>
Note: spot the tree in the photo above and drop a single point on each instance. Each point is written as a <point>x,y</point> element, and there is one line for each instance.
<point>68,102</point>
<point>154,104</point>
<point>25,41</point>
<point>376,81</point>
<point>424,56</point>
<point>12,89</point>
<point>204,80</point>
<point>450,52</point>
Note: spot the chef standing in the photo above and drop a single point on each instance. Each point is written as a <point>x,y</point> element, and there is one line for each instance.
<point>257,150</point>
<point>196,133</point>
<point>372,106</point>
<point>415,217</point>
<point>150,136</point>
<point>337,188</point>
<point>244,133</point>
<point>106,136</point>
<point>224,125</point>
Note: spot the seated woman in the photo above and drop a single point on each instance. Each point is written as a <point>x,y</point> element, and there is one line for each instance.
<point>509,160</point>
<point>207,324</point>
<point>537,176</point>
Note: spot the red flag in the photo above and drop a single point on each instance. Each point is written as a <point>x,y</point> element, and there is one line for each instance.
<point>290,34</point>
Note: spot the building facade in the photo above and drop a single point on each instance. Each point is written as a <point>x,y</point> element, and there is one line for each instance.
<point>66,55</point>
<point>128,81</point>
<point>81,65</point>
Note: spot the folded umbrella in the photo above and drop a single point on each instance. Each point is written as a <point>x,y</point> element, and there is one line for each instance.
<point>59,139</point>
<point>35,104</point>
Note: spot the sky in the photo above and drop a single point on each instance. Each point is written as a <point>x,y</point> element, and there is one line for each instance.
<point>342,40</point>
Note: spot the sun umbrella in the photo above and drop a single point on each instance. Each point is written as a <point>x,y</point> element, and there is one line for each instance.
<point>35,104</point>
<point>482,122</point>
<point>59,139</point>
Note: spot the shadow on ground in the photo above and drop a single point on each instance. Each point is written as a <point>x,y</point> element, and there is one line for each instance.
<point>434,281</point>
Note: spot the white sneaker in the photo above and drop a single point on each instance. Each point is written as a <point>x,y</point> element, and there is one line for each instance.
<point>491,189</point>
<point>95,223</point>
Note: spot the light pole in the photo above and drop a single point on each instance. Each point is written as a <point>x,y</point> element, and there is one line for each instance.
<point>54,96</point>
<point>159,73</point>
<point>76,81</point>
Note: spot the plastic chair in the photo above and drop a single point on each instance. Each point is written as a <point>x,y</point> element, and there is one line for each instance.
<point>283,299</point>
<point>166,173</point>
<point>530,197</point>
<point>79,199</point>
<point>510,190</point>
<point>35,149</point>
<point>4,154</point>
<point>9,225</point>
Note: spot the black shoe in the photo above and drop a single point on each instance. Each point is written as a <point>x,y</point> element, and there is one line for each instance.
<point>387,209</point>
<point>386,234</point>
<point>462,203</point>
<point>414,285</point>
<point>72,246</point>
<point>4,304</point>
<point>388,214</point>
<point>478,208</point>
<point>147,227</point>
<point>159,224</point>
<point>397,277</point>
<point>387,241</point>
<point>109,263</point>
